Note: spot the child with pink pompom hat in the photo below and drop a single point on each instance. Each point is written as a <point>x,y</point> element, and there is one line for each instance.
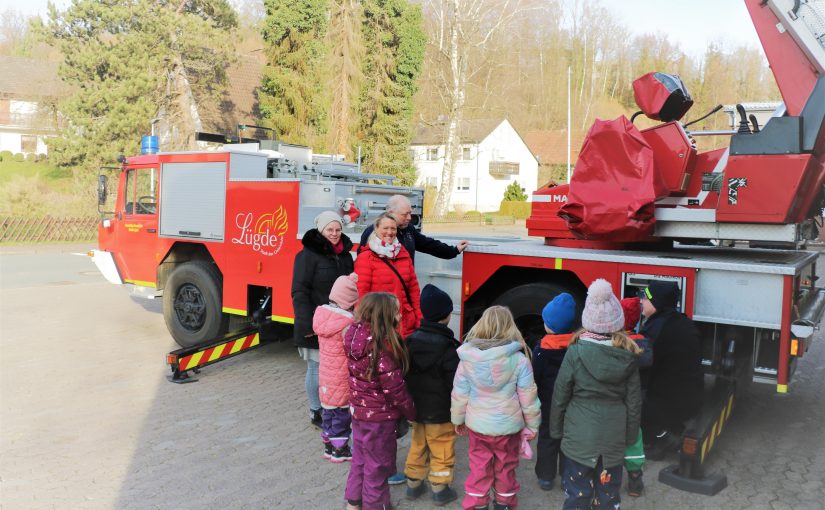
<point>596,404</point>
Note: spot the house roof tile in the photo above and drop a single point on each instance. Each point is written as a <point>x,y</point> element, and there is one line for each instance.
<point>472,131</point>
<point>25,78</point>
<point>550,146</point>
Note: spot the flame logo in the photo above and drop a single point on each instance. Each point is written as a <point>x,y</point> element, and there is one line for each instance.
<point>275,222</point>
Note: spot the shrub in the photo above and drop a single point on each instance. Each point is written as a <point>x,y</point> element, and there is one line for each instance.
<point>5,156</point>
<point>31,157</point>
<point>518,210</point>
<point>19,157</point>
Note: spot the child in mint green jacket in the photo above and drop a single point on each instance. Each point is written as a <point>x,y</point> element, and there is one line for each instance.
<point>494,401</point>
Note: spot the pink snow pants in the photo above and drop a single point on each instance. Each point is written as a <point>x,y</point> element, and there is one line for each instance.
<point>493,463</point>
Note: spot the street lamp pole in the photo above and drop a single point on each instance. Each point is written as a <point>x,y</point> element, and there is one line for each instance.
<point>478,152</point>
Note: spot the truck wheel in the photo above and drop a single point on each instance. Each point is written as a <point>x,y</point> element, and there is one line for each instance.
<point>192,304</point>
<point>526,302</point>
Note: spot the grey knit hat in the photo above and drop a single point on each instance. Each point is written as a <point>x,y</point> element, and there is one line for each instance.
<point>325,218</point>
<point>602,311</point>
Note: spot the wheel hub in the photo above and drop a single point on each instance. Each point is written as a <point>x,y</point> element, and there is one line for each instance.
<point>190,307</point>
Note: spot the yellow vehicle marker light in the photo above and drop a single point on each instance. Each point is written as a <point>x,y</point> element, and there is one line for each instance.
<point>794,347</point>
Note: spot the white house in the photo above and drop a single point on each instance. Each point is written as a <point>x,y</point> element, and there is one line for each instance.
<point>29,90</point>
<point>492,156</point>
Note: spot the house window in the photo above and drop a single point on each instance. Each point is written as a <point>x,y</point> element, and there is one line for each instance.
<point>463,184</point>
<point>28,144</point>
<point>432,154</point>
<point>465,154</point>
<point>431,182</point>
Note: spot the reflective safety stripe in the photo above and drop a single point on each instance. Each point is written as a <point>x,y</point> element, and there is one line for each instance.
<point>234,311</point>
<point>279,318</point>
<point>439,473</point>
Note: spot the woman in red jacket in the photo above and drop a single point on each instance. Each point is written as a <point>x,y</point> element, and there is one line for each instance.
<point>384,265</point>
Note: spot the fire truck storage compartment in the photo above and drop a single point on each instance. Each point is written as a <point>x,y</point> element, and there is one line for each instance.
<point>193,200</point>
<point>247,166</point>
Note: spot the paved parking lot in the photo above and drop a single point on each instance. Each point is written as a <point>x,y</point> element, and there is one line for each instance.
<point>89,421</point>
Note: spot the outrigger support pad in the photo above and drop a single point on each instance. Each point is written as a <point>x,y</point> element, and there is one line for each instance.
<point>193,359</point>
<point>698,439</point>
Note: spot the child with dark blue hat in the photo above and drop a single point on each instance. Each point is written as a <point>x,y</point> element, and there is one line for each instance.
<point>560,318</point>
<point>433,363</point>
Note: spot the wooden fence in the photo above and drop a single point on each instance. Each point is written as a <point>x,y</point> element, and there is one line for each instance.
<point>16,229</point>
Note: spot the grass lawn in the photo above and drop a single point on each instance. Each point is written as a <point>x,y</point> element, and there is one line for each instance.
<point>55,178</point>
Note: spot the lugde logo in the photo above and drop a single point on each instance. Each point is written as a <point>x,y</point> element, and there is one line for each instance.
<point>266,234</point>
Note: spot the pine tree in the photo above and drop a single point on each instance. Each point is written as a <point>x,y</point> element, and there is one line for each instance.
<point>292,98</point>
<point>515,193</point>
<point>126,62</point>
<point>395,42</point>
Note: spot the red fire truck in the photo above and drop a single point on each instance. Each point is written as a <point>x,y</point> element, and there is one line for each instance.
<point>216,232</point>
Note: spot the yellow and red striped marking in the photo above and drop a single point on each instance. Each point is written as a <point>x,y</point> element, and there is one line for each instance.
<point>217,352</point>
<point>716,430</point>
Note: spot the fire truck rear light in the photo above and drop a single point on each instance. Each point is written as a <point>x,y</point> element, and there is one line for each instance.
<point>171,359</point>
<point>90,253</point>
<point>260,266</point>
<point>466,289</point>
<point>690,446</point>
<point>794,347</point>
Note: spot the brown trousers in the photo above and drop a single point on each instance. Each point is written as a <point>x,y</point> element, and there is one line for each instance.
<point>432,452</point>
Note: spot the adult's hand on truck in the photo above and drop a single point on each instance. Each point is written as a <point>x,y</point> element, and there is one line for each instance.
<point>462,245</point>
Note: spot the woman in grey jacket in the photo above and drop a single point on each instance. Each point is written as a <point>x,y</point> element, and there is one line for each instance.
<point>596,404</point>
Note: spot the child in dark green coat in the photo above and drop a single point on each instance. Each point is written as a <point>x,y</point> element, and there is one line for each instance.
<point>596,405</point>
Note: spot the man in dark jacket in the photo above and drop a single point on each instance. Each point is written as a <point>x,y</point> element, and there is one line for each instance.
<point>399,208</point>
<point>676,384</point>
<point>433,362</point>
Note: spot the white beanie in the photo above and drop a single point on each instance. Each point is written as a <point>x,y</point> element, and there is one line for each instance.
<point>602,311</point>
<point>325,218</point>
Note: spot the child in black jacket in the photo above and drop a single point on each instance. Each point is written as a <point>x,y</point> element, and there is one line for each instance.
<point>559,316</point>
<point>433,362</point>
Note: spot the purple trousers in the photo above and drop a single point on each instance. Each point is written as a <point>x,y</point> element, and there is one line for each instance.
<point>373,460</point>
<point>335,426</point>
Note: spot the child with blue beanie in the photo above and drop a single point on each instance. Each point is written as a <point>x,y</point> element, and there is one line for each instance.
<point>560,318</point>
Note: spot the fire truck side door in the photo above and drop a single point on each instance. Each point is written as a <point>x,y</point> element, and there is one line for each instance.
<point>137,226</point>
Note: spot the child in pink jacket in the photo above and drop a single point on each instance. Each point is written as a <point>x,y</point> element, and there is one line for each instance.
<point>329,323</point>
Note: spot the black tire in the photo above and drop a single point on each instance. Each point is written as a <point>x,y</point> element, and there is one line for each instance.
<point>526,303</point>
<point>192,304</point>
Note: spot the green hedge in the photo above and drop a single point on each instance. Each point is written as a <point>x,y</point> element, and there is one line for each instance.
<point>518,210</point>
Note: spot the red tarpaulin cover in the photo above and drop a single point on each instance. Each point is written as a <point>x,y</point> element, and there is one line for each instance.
<point>613,189</point>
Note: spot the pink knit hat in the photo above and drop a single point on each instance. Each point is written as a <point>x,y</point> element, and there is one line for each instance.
<point>602,310</point>
<point>345,291</point>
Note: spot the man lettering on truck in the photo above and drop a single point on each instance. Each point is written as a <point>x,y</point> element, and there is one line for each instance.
<point>674,392</point>
<point>399,208</point>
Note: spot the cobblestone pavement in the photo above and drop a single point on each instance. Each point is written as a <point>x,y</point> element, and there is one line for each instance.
<point>88,421</point>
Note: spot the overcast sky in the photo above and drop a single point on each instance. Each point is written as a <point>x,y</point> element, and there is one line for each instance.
<point>691,24</point>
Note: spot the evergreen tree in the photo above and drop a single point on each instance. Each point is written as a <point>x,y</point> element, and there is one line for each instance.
<point>515,193</point>
<point>292,98</point>
<point>129,61</point>
<point>395,42</point>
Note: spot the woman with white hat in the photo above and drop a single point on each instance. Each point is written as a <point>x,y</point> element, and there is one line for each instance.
<point>325,257</point>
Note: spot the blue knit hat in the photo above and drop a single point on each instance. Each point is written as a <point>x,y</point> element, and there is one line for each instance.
<point>560,313</point>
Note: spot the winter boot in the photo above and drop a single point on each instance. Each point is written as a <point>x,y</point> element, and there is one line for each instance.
<point>415,488</point>
<point>315,418</point>
<point>443,494</point>
<point>328,449</point>
<point>501,506</point>
<point>635,485</point>
<point>340,455</point>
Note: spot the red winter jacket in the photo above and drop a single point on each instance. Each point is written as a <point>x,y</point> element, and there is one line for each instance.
<point>384,397</point>
<point>375,276</point>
